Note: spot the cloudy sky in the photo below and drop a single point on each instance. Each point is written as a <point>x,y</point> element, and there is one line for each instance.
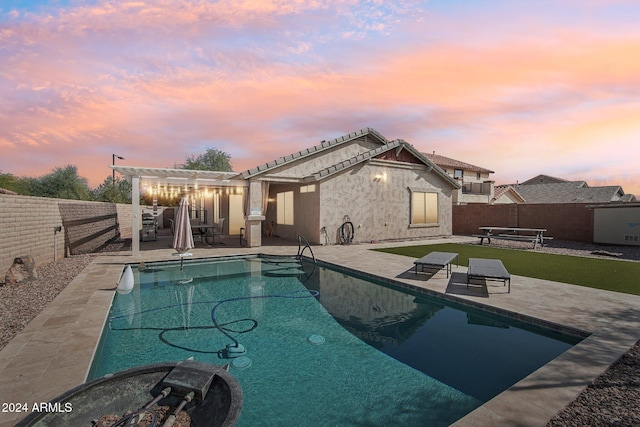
<point>516,86</point>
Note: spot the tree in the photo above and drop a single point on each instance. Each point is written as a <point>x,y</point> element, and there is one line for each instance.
<point>13,183</point>
<point>118,191</point>
<point>212,160</point>
<point>62,183</point>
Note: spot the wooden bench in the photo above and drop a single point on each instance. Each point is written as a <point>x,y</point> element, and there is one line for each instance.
<point>437,260</point>
<point>533,235</point>
<point>488,269</point>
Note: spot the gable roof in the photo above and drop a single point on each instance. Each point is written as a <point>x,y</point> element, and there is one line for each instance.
<point>567,192</point>
<point>500,191</point>
<point>397,145</point>
<point>447,162</point>
<point>5,191</point>
<point>544,179</point>
<point>323,146</point>
<point>385,146</point>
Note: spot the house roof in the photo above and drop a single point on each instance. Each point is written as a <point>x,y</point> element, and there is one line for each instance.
<point>544,179</point>
<point>566,192</point>
<point>368,155</point>
<point>499,191</point>
<point>447,162</point>
<point>5,191</point>
<point>550,189</point>
<point>323,146</point>
<point>628,197</point>
<point>398,145</point>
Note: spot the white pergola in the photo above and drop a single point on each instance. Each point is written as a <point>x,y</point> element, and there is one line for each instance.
<point>171,180</point>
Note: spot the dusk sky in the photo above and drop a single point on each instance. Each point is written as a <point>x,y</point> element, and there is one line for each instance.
<point>516,86</point>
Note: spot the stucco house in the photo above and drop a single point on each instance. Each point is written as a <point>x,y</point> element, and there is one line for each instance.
<point>475,182</point>
<point>359,187</point>
<point>385,189</point>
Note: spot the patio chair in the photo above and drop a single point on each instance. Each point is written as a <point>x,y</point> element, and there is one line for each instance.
<point>218,230</point>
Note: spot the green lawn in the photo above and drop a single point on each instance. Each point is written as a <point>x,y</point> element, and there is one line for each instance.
<point>608,274</point>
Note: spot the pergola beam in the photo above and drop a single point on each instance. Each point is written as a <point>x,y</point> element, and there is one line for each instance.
<point>139,176</point>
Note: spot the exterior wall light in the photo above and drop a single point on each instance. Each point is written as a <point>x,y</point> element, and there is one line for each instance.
<point>380,177</point>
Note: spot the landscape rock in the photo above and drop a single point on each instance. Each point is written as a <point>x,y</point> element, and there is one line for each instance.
<point>23,269</point>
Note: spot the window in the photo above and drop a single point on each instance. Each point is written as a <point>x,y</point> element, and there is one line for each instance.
<point>478,176</point>
<point>308,188</point>
<point>284,208</point>
<point>424,208</point>
<point>457,173</point>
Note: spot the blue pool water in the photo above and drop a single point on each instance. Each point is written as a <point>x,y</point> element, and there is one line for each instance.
<point>323,347</point>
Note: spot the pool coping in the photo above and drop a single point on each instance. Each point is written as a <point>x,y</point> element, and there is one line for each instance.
<point>74,320</point>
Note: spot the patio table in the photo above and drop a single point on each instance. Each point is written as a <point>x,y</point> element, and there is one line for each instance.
<point>206,230</point>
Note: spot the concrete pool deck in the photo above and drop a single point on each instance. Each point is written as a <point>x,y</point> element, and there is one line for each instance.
<point>54,351</point>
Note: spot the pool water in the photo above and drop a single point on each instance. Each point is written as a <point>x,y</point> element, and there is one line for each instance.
<point>322,347</point>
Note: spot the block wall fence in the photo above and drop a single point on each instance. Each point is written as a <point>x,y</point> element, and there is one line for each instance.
<point>565,221</point>
<point>28,227</point>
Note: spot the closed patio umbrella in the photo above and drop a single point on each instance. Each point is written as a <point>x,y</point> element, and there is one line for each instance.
<point>183,237</point>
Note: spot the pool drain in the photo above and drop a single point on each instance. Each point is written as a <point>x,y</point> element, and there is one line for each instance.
<point>316,339</point>
<point>242,362</point>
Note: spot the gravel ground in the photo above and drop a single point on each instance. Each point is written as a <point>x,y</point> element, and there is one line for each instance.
<point>562,247</point>
<point>22,302</point>
<point>611,400</point>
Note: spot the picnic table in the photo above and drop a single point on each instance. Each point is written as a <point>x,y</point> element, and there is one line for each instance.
<point>534,235</point>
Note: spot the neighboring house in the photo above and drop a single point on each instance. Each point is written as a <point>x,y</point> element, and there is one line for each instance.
<point>385,189</point>
<point>5,191</point>
<point>476,185</point>
<point>548,189</point>
<point>505,194</point>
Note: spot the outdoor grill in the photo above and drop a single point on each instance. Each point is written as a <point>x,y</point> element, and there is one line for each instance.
<point>149,227</point>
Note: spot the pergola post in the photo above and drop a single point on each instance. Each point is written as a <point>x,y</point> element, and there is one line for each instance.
<point>255,216</point>
<point>135,215</point>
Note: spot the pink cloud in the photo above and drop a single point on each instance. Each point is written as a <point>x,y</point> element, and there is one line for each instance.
<point>158,81</point>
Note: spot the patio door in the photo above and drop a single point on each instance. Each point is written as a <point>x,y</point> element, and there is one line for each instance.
<point>236,213</point>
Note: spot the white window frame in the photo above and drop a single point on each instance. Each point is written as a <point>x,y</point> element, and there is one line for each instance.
<point>284,208</point>
<point>308,188</point>
<point>425,207</point>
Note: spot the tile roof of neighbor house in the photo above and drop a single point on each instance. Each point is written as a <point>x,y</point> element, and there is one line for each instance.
<point>544,179</point>
<point>446,162</point>
<point>499,191</point>
<point>350,162</point>
<point>566,192</point>
<point>5,191</point>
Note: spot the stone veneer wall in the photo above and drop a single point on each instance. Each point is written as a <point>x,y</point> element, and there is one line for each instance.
<point>27,227</point>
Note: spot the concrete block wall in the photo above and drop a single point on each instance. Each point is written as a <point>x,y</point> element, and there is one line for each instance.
<point>563,221</point>
<point>27,227</point>
<point>566,221</point>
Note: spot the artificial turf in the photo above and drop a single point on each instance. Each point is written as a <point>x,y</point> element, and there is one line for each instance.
<point>607,274</point>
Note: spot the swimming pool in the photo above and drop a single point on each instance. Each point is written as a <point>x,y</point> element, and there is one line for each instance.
<point>323,346</point>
